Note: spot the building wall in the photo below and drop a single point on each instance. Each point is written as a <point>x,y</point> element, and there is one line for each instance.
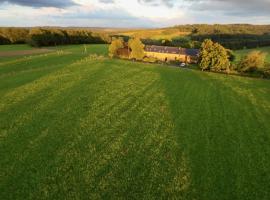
<point>168,57</point>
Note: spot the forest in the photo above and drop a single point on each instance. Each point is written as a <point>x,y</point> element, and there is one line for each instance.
<point>51,36</point>
<point>233,36</point>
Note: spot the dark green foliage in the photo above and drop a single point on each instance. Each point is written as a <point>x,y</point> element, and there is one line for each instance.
<point>232,36</point>
<point>4,40</point>
<point>266,70</point>
<point>230,29</point>
<point>184,42</point>
<point>231,55</point>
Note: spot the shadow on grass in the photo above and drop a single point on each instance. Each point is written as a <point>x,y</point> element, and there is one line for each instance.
<point>220,133</point>
<point>106,135</point>
<point>31,69</point>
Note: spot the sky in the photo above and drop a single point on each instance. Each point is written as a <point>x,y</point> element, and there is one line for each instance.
<point>131,13</point>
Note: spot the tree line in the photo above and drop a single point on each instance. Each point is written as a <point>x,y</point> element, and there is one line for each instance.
<point>235,36</point>
<point>214,57</point>
<point>232,36</point>
<point>51,36</point>
<point>230,29</point>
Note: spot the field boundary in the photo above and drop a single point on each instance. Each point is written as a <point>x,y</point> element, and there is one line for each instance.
<point>24,52</point>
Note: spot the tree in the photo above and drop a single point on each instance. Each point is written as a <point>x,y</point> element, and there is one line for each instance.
<point>117,43</point>
<point>214,57</point>
<point>253,61</point>
<point>137,49</point>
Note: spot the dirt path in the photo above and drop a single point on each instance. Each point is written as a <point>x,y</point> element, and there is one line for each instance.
<point>24,52</point>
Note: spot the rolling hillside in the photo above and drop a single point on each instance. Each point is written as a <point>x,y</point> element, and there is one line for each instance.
<point>80,126</point>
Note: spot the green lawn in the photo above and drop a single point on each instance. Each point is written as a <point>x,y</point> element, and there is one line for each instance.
<point>241,53</point>
<point>75,126</point>
<point>17,47</point>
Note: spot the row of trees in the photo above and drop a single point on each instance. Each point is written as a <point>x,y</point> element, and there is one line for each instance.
<point>184,42</point>
<point>214,57</point>
<point>236,41</point>
<point>232,36</point>
<point>13,35</point>
<point>134,45</point>
<point>50,36</point>
<point>229,29</point>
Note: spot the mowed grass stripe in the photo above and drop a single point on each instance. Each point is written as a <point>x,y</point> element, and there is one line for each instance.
<point>104,121</point>
<point>227,141</point>
<point>98,128</point>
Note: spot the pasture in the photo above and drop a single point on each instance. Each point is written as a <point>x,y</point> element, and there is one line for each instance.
<point>76,125</point>
<point>155,34</point>
<point>6,48</point>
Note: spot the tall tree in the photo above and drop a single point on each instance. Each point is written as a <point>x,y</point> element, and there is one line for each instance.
<point>117,43</point>
<point>137,49</point>
<point>214,57</point>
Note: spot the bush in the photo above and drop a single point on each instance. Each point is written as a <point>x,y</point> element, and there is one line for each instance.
<point>254,61</point>
<point>149,59</point>
<point>266,71</point>
<point>4,40</point>
<point>231,55</point>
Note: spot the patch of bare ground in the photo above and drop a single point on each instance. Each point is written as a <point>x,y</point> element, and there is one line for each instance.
<point>24,52</point>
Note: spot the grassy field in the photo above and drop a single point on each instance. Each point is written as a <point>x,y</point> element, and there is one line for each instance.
<point>155,34</point>
<point>15,47</point>
<point>75,126</point>
<point>241,53</point>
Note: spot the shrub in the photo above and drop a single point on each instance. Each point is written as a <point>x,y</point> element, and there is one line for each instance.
<point>266,71</point>
<point>149,59</point>
<point>254,61</point>
<point>4,40</point>
<point>231,55</point>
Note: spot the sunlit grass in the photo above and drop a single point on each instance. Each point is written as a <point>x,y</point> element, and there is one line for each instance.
<point>17,47</point>
<point>80,126</point>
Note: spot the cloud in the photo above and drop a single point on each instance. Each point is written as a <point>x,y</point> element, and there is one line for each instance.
<point>41,3</point>
<point>232,7</point>
<point>104,18</point>
<point>106,1</point>
<point>168,3</point>
<point>131,13</point>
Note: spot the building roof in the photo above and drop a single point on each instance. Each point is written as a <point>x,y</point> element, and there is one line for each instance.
<point>171,50</point>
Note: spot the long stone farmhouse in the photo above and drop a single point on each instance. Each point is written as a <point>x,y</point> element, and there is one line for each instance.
<point>165,53</point>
